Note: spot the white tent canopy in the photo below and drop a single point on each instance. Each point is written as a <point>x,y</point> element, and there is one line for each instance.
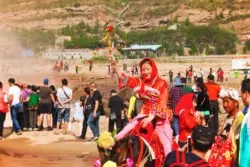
<point>142,47</point>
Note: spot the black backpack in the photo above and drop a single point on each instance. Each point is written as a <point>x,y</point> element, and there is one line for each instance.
<point>181,161</point>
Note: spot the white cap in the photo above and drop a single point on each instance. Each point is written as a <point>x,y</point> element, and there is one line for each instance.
<point>231,93</point>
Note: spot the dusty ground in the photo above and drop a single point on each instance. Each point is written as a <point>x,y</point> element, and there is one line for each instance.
<point>44,149</point>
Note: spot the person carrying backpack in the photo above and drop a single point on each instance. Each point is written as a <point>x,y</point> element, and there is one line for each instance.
<point>202,140</point>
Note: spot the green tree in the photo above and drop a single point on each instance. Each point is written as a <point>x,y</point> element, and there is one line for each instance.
<point>225,41</point>
<point>211,36</point>
<point>180,50</point>
<point>193,49</point>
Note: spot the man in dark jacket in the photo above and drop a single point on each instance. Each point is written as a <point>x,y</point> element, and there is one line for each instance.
<point>116,105</point>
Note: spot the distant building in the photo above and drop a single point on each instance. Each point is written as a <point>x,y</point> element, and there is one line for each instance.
<point>142,49</point>
<point>68,54</point>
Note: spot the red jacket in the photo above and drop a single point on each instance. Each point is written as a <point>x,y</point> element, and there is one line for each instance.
<point>187,123</point>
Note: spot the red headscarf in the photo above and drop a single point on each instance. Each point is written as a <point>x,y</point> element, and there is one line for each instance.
<point>154,74</point>
<point>186,102</point>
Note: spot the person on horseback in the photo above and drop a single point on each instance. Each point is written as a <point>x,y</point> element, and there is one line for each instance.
<point>153,92</point>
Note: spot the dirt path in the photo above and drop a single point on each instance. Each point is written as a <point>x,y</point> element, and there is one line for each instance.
<point>21,153</point>
<point>45,149</point>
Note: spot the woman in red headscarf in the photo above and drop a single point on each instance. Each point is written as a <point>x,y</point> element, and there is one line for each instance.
<point>188,117</point>
<point>153,92</point>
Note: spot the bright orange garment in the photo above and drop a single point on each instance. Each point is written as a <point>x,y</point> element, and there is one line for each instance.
<point>213,91</point>
<point>153,92</point>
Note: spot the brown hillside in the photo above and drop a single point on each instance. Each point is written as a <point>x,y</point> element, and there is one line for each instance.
<point>129,14</point>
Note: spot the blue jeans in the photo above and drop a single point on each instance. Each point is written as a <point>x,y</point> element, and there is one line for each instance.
<point>94,124</point>
<point>63,116</point>
<point>14,110</point>
<point>175,126</point>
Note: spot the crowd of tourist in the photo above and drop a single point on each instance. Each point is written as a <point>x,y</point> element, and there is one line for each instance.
<point>192,75</point>
<point>36,108</point>
<point>186,117</point>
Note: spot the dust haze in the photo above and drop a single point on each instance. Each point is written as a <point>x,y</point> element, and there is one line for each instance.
<point>28,70</point>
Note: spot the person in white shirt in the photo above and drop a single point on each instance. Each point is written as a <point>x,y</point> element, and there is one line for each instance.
<point>14,100</point>
<point>64,95</point>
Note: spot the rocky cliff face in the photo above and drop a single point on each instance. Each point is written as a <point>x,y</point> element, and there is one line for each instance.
<point>130,15</point>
